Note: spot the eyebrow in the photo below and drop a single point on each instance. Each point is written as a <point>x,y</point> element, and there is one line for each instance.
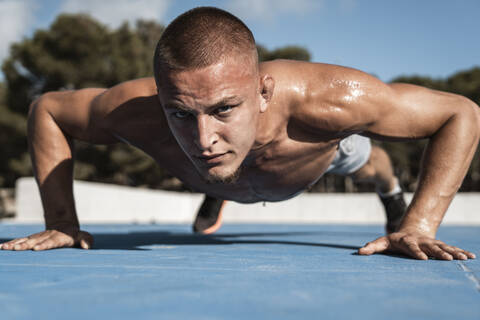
<point>172,105</point>
<point>232,100</point>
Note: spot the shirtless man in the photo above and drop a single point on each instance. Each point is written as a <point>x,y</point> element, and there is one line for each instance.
<point>238,130</point>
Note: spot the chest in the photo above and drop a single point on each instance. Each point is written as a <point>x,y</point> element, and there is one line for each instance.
<point>281,171</point>
<point>288,168</point>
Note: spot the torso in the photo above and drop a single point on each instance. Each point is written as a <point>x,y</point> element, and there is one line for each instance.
<point>289,164</point>
<point>287,168</point>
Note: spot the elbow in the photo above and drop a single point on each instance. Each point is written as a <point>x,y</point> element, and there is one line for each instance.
<point>33,105</point>
<point>38,112</point>
<point>464,119</point>
<point>471,112</point>
<point>477,114</point>
<point>476,117</point>
<point>36,104</point>
<point>40,103</point>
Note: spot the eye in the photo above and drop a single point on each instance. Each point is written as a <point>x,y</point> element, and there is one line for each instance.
<point>180,114</point>
<point>224,109</point>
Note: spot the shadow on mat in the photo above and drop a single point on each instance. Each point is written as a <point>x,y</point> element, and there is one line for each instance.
<point>140,240</point>
<point>137,240</point>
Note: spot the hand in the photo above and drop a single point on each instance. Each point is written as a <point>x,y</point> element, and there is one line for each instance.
<point>51,239</point>
<point>415,245</point>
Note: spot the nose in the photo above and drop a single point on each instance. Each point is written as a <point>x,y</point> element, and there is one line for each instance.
<point>206,135</point>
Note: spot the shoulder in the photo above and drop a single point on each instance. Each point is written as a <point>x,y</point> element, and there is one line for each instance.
<point>319,83</point>
<point>324,97</point>
<point>100,98</point>
<point>125,100</point>
<point>131,110</point>
<point>129,92</point>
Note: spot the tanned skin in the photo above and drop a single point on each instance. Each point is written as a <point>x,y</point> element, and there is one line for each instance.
<point>281,123</point>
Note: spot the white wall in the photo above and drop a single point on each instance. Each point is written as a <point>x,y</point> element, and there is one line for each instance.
<point>103,203</point>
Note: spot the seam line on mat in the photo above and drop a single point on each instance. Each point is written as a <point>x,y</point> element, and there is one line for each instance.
<point>470,275</point>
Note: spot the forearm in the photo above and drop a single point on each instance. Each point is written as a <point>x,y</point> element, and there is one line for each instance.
<point>444,165</point>
<point>51,154</point>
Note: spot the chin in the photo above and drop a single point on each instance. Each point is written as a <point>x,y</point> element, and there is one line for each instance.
<point>223,176</point>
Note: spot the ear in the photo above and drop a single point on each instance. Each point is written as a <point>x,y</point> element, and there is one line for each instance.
<point>267,86</point>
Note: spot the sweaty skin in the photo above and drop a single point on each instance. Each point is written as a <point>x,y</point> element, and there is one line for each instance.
<point>249,136</point>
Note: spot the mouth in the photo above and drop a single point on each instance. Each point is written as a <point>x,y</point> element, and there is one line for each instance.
<point>213,159</point>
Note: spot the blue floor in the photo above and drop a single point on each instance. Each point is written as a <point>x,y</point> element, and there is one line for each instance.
<point>243,272</point>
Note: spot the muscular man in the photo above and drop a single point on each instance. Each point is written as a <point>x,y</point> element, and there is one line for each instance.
<point>238,130</point>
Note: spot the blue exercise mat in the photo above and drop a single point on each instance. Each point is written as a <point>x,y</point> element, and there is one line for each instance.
<point>242,272</point>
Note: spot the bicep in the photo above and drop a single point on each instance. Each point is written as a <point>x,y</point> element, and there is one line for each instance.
<point>404,111</point>
<point>355,102</point>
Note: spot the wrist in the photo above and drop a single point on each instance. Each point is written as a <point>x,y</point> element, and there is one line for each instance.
<point>61,217</point>
<point>422,226</point>
<point>61,225</point>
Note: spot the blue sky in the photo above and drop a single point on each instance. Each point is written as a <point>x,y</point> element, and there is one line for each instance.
<point>385,38</point>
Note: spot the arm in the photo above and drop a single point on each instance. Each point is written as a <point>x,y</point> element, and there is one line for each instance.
<point>55,120</point>
<point>363,104</point>
<point>452,125</point>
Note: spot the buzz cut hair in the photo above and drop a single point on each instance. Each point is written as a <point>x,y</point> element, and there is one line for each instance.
<point>200,38</point>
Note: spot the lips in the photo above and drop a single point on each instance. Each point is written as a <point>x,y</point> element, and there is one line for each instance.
<point>213,159</point>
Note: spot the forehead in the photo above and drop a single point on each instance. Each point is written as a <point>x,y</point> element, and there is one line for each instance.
<point>208,85</point>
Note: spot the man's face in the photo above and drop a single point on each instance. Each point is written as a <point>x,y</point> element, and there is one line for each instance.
<point>213,113</point>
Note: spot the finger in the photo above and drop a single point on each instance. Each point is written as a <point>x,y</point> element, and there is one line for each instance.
<point>31,241</point>
<point>378,245</point>
<point>26,245</point>
<point>85,240</point>
<point>45,245</point>
<point>84,244</point>
<point>436,252</point>
<point>53,242</point>
<point>457,253</point>
<point>469,254</point>
<point>10,244</point>
<point>414,250</point>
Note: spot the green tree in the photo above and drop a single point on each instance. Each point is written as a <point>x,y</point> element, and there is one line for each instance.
<point>14,160</point>
<point>287,52</point>
<point>466,83</point>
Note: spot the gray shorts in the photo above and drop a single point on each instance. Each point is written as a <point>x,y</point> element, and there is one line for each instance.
<point>352,154</point>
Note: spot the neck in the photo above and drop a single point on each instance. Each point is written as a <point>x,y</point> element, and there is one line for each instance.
<point>259,147</point>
